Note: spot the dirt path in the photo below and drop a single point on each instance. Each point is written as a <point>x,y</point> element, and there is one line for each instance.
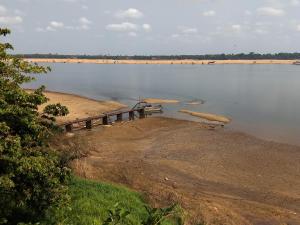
<point>219,176</point>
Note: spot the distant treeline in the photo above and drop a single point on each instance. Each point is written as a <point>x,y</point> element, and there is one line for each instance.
<point>249,56</point>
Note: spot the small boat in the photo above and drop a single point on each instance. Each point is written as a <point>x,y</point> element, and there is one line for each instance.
<point>154,109</point>
<point>296,63</point>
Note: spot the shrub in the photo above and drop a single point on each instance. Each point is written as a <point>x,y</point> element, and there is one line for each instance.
<point>32,177</point>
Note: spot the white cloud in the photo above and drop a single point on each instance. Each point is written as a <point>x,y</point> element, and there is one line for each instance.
<point>236,27</point>
<point>49,28</point>
<point>55,24</point>
<point>147,27</point>
<point>84,23</point>
<point>3,10</point>
<point>132,34</point>
<point>40,29</point>
<point>188,30</point>
<point>10,20</point>
<point>298,28</point>
<point>84,20</point>
<point>122,27</point>
<point>129,13</point>
<point>209,13</point>
<point>260,31</point>
<point>269,11</point>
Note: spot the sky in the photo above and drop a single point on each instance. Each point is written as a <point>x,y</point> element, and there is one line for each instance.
<point>152,27</point>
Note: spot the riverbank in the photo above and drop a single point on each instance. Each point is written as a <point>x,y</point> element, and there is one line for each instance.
<point>178,62</point>
<point>218,176</point>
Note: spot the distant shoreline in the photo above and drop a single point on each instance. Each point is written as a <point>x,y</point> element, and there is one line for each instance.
<point>159,62</point>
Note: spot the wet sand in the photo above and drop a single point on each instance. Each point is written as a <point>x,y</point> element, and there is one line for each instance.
<point>110,61</point>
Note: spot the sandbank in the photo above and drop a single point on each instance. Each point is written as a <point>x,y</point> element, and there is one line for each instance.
<point>207,116</point>
<point>79,107</point>
<point>160,101</point>
<point>191,62</point>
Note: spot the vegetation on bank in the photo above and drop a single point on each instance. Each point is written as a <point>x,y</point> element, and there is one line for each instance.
<point>239,56</point>
<point>32,176</point>
<point>35,182</point>
<point>99,203</point>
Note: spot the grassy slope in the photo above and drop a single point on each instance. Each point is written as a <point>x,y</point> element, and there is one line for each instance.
<point>92,200</point>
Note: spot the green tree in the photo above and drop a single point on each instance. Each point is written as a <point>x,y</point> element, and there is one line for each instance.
<point>32,177</point>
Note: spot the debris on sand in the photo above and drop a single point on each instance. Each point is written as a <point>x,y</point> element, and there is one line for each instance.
<point>195,102</point>
<point>207,116</point>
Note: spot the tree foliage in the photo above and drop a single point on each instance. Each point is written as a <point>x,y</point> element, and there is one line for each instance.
<point>32,176</point>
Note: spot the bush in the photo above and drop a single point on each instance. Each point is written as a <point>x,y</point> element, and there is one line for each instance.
<point>32,177</point>
<point>105,204</point>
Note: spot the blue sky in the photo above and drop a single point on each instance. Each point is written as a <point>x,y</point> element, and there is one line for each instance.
<point>152,27</point>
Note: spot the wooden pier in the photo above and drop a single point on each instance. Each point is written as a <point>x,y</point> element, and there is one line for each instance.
<point>106,118</point>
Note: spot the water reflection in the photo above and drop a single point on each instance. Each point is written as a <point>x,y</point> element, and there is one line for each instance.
<point>261,99</point>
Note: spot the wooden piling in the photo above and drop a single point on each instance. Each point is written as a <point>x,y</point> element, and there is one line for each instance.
<point>88,124</point>
<point>131,115</point>
<point>105,120</point>
<point>142,113</point>
<point>119,117</point>
<point>69,127</point>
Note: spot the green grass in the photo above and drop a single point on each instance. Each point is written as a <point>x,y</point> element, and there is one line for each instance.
<point>91,202</point>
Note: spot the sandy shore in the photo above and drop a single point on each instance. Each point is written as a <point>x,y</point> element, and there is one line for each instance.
<point>100,61</point>
<point>80,107</point>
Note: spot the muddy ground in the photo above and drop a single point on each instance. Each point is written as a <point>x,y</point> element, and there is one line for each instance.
<point>218,176</point>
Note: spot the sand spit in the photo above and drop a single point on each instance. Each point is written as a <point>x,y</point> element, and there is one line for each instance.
<point>160,101</point>
<point>207,116</point>
<point>78,106</point>
<point>191,62</point>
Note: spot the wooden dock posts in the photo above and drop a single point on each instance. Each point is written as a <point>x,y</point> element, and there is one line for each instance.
<point>69,127</point>
<point>88,124</point>
<point>119,117</point>
<point>106,118</point>
<point>142,113</point>
<point>131,115</point>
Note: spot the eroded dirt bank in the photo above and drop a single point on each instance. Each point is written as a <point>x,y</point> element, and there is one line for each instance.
<point>219,176</point>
